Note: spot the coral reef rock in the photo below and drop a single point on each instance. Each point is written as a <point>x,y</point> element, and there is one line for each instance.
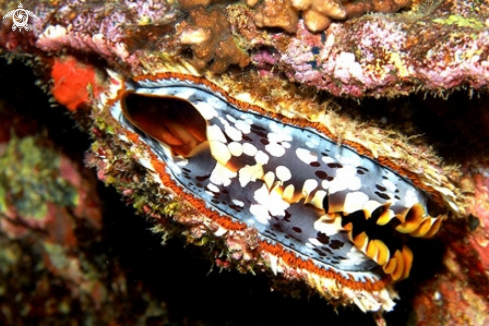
<point>308,141</point>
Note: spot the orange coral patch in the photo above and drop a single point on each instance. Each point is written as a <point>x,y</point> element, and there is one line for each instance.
<point>74,83</point>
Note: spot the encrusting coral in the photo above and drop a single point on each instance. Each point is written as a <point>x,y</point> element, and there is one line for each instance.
<point>208,35</point>
<point>317,14</point>
<point>279,14</point>
<point>357,8</point>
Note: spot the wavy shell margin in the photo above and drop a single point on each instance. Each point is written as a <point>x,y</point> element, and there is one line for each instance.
<point>422,166</point>
<point>239,248</point>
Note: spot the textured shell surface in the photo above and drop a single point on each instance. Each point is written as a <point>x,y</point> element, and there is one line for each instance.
<point>318,199</point>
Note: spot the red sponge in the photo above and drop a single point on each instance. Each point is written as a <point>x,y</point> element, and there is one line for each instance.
<point>72,82</point>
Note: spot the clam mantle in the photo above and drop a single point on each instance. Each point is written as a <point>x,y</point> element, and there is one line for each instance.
<point>221,169</point>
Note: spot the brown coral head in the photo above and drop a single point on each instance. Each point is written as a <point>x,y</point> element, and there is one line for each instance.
<point>189,4</point>
<point>317,14</point>
<point>389,6</point>
<point>358,8</point>
<point>284,14</point>
<point>208,35</point>
<point>281,14</point>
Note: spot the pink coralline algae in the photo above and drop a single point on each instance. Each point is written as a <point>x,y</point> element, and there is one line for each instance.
<point>98,28</point>
<point>429,47</point>
<point>388,57</point>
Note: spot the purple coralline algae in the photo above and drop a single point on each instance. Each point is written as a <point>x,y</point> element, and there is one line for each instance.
<point>389,57</point>
<point>429,46</point>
